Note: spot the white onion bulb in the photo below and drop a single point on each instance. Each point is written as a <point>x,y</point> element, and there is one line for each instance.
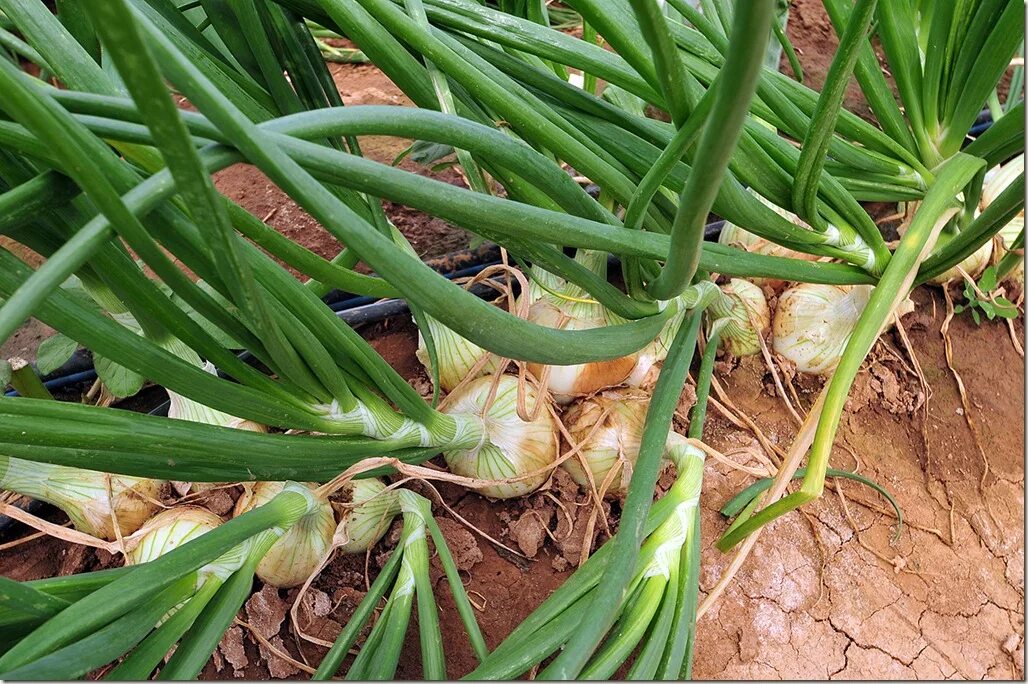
<point>298,553</point>
<point>457,356</point>
<point>813,323</point>
<point>973,265</point>
<point>569,382</point>
<point>996,181</point>
<point>612,441</point>
<point>649,357</point>
<point>169,530</point>
<point>510,446</point>
<point>555,303</point>
<point>83,494</point>
<point>363,524</point>
<point>745,315</point>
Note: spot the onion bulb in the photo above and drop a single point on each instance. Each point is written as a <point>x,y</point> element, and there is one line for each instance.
<point>298,553</point>
<point>647,359</point>
<point>608,430</point>
<point>813,323</point>
<point>744,315</point>
<point>510,446</point>
<point>86,496</point>
<point>457,356</point>
<point>366,518</point>
<point>169,530</point>
<point>973,265</point>
<point>996,181</point>
<point>569,382</point>
<point>555,303</point>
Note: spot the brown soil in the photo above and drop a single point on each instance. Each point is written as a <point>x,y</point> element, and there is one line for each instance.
<point>358,85</point>
<point>820,598</point>
<point>815,42</point>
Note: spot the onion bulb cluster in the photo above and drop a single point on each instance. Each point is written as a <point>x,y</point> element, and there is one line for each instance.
<point>298,553</point>
<point>512,445</point>
<point>607,429</point>
<point>91,499</point>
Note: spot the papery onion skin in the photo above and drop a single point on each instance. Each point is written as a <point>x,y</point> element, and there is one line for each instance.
<point>813,323</point>
<point>363,525</point>
<point>745,315</point>
<point>568,382</point>
<point>299,552</point>
<point>170,529</point>
<point>612,442</point>
<point>457,356</point>
<point>511,446</point>
<point>83,494</point>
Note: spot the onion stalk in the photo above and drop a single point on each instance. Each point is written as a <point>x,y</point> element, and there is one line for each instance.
<point>736,236</point>
<point>657,593</point>
<point>405,578</point>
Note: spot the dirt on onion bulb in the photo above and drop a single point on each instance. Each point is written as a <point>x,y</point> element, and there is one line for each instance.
<point>608,430</point>
<point>813,323</point>
<point>298,553</point>
<point>511,445</point>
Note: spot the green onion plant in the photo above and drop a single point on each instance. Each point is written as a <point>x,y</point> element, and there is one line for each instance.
<point>108,177</point>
